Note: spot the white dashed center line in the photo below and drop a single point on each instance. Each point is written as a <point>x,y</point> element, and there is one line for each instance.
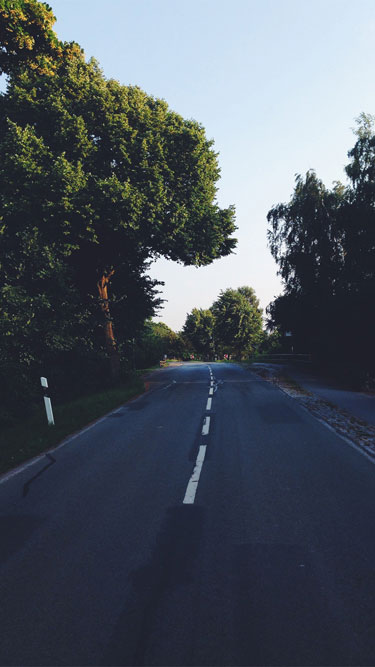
<point>206,426</point>
<point>194,479</point>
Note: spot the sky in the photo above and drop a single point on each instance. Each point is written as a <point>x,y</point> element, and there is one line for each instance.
<point>277,84</point>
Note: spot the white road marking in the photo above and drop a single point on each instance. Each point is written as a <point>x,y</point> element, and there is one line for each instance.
<point>353,444</point>
<point>194,479</point>
<point>210,393</point>
<point>170,385</point>
<point>21,468</point>
<point>212,383</point>
<point>206,426</point>
<point>209,403</point>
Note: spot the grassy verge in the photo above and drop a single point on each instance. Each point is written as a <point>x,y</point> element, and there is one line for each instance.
<point>144,371</point>
<point>34,436</point>
<point>157,366</point>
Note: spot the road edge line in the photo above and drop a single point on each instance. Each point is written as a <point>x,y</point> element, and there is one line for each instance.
<point>348,441</point>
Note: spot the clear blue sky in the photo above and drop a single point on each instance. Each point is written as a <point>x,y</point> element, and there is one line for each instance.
<point>276,83</point>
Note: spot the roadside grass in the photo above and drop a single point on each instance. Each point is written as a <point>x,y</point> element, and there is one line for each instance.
<point>33,436</point>
<point>144,371</point>
<point>241,362</point>
<point>156,367</point>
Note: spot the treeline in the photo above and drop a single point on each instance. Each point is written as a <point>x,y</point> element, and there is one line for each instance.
<point>97,179</point>
<point>232,327</point>
<point>156,342</point>
<point>324,243</point>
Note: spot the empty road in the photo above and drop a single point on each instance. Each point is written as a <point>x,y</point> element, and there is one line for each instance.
<point>212,521</point>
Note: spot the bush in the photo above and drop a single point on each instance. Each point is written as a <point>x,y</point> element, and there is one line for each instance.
<point>18,394</point>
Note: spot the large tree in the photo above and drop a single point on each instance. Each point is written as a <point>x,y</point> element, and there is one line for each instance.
<point>324,243</point>
<point>238,322</point>
<point>305,236</point>
<point>199,331</point>
<point>306,239</point>
<point>359,213</point>
<point>100,178</point>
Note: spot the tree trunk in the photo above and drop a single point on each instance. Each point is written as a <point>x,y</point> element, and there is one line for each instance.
<point>110,340</point>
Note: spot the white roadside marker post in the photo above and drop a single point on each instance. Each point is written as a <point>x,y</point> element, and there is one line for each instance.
<point>47,402</point>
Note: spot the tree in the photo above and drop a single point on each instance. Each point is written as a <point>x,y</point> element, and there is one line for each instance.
<point>324,243</point>
<point>102,177</point>
<point>271,342</point>
<point>358,276</point>
<point>199,331</point>
<point>238,322</point>
<point>156,341</point>
<point>306,239</point>
<point>26,36</point>
<point>358,215</point>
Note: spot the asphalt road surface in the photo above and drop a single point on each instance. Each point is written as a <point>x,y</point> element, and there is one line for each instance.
<point>181,530</point>
<point>357,403</point>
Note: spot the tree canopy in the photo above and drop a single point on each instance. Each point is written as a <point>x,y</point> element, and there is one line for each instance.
<point>199,331</point>
<point>156,342</point>
<point>238,322</point>
<point>26,36</point>
<point>233,325</point>
<point>97,180</point>
<point>324,243</point>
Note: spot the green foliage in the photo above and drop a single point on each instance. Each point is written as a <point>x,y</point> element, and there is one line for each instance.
<point>358,219</point>
<point>96,180</point>
<point>324,243</point>
<point>156,341</point>
<point>116,170</point>
<point>18,393</point>
<point>271,342</point>
<point>31,435</point>
<point>238,322</point>
<point>233,326</point>
<point>305,236</point>
<point>26,36</point>
<point>198,330</point>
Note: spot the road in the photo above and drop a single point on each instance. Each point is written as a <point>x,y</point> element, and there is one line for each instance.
<point>356,403</point>
<point>159,537</point>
